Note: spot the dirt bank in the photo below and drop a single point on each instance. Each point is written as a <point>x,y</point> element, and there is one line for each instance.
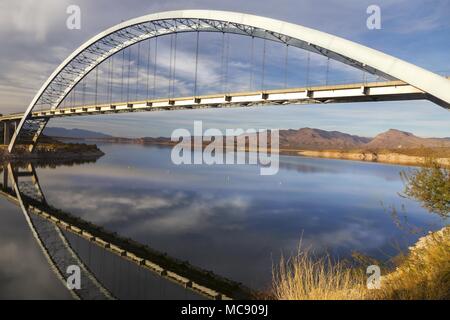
<point>392,157</point>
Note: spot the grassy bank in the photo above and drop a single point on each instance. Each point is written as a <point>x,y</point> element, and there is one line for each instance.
<point>422,273</point>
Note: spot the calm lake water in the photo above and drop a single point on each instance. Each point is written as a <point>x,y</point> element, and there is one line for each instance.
<point>223,218</point>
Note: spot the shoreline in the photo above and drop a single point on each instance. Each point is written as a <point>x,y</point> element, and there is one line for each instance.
<point>82,150</point>
<point>367,156</point>
<point>53,152</point>
<point>376,156</point>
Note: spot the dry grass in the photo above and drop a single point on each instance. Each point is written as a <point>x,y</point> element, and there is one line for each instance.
<point>306,277</point>
<point>424,273</point>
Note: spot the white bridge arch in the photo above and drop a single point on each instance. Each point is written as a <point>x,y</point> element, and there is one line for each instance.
<point>101,47</point>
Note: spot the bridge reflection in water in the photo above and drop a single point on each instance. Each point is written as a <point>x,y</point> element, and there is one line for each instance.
<point>111,267</point>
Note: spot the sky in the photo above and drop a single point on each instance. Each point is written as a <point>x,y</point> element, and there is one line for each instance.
<point>35,40</point>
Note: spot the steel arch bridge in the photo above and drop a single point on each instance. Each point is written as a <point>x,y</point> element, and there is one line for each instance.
<point>406,81</point>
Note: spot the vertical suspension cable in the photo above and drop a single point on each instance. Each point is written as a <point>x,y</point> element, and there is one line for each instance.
<point>74,101</point>
<point>112,77</point>
<point>328,71</point>
<point>96,85</point>
<point>196,64</point>
<point>286,62</point>
<point>74,96</point>
<point>129,75</point>
<point>108,86</point>
<point>263,71</point>
<point>67,100</point>
<point>169,86</point>
<point>307,69</point>
<point>60,90</point>
<point>137,70</point>
<point>108,83</point>
<point>252,58</point>
<point>227,61</point>
<point>148,67</point>
<point>108,78</point>
<point>83,94</point>
<point>174,64</point>
<point>222,63</point>
<point>155,67</point>
<point>123,73</point>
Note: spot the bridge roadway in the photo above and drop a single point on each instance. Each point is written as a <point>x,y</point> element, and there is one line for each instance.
<point>357,92</point>
<point>44,218</point>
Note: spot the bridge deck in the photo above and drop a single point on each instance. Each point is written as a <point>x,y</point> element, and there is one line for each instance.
<point>375,91</point>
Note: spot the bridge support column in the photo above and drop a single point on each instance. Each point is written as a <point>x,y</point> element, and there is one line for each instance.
<point>8,128</point>
<point>6,132</point>
<point>29,135</point>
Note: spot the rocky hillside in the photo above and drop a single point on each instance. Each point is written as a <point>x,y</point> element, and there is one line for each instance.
<point>396,139</point>
<point>304,138</point>
<point>307,138</point>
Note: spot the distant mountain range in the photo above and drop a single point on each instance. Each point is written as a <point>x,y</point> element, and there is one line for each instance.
<point>305,138</point>
<point>74,133</point>
<point>316,139</point>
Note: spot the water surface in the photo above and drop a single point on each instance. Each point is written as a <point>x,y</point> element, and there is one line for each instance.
<point>224,218</point>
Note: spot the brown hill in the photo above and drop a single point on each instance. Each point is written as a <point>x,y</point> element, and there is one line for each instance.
<point>316,139</point>
<point>305,138</point>
<point>396,139</point>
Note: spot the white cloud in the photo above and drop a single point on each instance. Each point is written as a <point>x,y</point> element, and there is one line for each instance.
<point>29,18</point>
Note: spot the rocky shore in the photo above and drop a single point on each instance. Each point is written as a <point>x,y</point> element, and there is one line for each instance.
<point>390,157</point>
